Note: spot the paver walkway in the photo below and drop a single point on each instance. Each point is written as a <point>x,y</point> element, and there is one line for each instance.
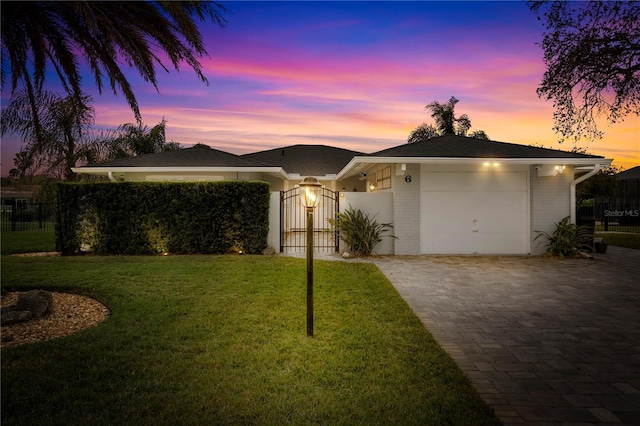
<point>543,341</point>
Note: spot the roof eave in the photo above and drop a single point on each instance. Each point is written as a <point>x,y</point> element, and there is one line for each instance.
<point>357,163</point>
<point>104,171</point>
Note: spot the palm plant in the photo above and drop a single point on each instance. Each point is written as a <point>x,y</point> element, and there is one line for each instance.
<point>358,231</point>
<point>567,239</point>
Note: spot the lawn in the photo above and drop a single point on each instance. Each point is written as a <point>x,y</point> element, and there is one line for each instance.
<point>27,241</point>
<point>222,340</point>
<point>627,240</point>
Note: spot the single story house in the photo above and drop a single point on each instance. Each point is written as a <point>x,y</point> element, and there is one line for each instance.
<point>446,195</point>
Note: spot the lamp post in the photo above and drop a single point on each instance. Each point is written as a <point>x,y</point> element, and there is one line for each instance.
<point>310,188</point>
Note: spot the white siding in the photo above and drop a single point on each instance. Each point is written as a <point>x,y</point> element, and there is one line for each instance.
<point>550,202</point>
<point>406,211</point>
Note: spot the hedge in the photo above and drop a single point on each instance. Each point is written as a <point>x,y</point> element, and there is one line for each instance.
<point>155,217</point>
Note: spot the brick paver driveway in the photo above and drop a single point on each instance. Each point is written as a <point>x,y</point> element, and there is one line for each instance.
<point>543,341</point>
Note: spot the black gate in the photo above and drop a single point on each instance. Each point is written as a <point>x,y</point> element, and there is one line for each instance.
<point>293,223</point>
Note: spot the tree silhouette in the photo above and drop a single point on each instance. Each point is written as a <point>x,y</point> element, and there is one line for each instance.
<point>446,123</point>
<point>61,35</point>
<point>592,53</point>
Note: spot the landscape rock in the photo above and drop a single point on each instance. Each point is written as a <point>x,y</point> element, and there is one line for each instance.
<point>347,255</point>
<point>38,302</point>
<point>11,316</point>
<point>269,251</point>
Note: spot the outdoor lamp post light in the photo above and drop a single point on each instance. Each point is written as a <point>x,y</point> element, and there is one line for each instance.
<point>310,192</point>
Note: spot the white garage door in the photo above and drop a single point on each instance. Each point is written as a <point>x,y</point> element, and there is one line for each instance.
<point>474,213</point>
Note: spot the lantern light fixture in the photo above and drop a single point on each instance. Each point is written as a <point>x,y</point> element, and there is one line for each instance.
<point>310,191</point>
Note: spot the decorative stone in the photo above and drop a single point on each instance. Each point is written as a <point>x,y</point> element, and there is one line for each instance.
<point>11,316</point>
<point>347,255</point>
<point>269,251</point>
<point>38,302</point>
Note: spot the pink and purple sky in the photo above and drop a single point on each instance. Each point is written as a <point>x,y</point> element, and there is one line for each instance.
<point>355,75</point>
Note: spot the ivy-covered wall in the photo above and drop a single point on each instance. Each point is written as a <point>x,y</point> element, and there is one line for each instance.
<point>155,217</point>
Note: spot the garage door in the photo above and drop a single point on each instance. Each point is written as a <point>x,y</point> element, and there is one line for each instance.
<point>474,213</point>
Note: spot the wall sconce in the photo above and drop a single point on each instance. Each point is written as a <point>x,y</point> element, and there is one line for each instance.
<point>372,186</point>
<point>549,170</point>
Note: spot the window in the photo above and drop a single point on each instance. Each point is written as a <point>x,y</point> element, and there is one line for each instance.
<point>380,180</point>
<point>383,180</point>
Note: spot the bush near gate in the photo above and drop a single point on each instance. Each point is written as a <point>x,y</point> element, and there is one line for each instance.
<point>360,232</point>
<point>155,217</point>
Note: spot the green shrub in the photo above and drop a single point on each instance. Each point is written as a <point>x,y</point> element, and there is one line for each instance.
<point>567,239</point>
<point>157,217</point>
<point>359,232</point>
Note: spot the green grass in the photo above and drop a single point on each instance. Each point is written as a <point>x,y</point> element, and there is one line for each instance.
<point>27,241</point>
<point>634,229</point>
<point>621,240</point>
<point>222,340</point>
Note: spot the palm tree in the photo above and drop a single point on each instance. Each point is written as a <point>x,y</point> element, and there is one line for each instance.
<point>138,139</point>
<point>445,118</point>
<point>64,34</point>
<point>446,123</point>
<point>64,138</point>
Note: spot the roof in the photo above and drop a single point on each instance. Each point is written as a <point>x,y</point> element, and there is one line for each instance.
<point>453,146</point>
<point>196,156</point>
<point>321,160</point>
<point>631,174</point>
<point>306,160</point>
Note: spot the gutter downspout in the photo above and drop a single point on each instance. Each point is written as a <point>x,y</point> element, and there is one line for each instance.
<point>596,169</point>
<point>112,178</point>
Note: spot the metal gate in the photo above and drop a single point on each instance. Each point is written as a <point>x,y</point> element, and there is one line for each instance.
<point>294,226</point>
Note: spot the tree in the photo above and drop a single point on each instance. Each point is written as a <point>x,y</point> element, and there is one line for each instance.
<point>63,34</point>
<point>602,184</point>
<point>65,136</point>
<point>479,134</point>
<point>423,132</point>
<point>138,139</point>
<point>592,53</point>
<point>446,123</point>
<point>444,116</point>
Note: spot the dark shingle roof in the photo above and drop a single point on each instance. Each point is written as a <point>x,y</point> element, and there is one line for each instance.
<point>197,156</point>
<point>631,174</point>
<point>307,160</point>
<point>452,146</point>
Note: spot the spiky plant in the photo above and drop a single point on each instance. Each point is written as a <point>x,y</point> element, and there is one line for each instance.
<point>360,232</point>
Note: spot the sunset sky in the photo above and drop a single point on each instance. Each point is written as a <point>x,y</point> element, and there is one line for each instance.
<point>355,75</point>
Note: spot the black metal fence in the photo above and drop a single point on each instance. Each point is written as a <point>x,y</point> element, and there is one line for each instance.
<point>18,215</point>
<point>293,222</point>
<point>622,217</point>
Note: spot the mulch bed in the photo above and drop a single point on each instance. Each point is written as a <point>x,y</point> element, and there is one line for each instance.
<point>71,313</point>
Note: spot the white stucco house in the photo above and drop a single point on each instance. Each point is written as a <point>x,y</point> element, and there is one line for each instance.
<point>447,195</point>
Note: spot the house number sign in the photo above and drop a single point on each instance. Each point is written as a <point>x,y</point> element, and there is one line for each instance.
<point>407,178</point>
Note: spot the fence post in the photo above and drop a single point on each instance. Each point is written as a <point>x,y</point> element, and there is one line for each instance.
<point>14,207</point>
